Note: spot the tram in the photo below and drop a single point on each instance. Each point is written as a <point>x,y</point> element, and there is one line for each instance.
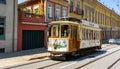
<point>70,38</point>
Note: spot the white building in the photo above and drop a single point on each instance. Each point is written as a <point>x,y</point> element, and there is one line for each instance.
<point>8,25</point>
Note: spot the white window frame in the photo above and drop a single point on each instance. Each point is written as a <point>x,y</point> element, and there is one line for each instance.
<point>50,11</point>
<point>58,12</point>
<point>64,12</point>
<point>3,26</point>
<point>3,1</point>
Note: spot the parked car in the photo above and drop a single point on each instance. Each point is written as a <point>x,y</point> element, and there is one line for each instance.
<point>118,41</point>
<point>112,41</point>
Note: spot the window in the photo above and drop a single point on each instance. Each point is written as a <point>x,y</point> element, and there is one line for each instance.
<point>2,50</point>
<point>3,1</point>
<point>71,5</point>
<point>66,0</point>
<point>58,13</point>
<point>93,15</point>
<point>85,15</point>
<point>64,12</point>
<point>50,11</point>
<point>88,14</point>
<point>55,31</point>
<point>86,34</point>
<point>91,34</point>
<point>78,5</point>
<point>29,9</point>
<point>2,22</point>
<point>28,12</point>
<point>36,9</point>
<point>65,30</point>
<point>83,33</point>
<point>79,11</point>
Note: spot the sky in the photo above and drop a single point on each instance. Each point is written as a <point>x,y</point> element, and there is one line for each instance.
<point>108,3</point>
<point>20,1</point>
<point>115,4</point>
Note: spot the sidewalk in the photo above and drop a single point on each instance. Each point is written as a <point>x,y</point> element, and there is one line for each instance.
<point>104,45</point>
<point>8,59</point>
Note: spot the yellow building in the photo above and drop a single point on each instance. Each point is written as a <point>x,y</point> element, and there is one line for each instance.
<point>75,8</point>
<point>94,11</point>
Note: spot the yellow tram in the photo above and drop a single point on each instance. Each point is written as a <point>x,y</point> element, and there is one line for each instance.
<point>73,38</point>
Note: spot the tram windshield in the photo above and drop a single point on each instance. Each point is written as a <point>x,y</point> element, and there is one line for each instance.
<point>56,30</point>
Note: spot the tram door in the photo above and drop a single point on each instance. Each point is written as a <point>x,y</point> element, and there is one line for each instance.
<point>74,36</point>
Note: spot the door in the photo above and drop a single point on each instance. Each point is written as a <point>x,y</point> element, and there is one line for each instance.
<point>75,36</point>
<point>32,39</point>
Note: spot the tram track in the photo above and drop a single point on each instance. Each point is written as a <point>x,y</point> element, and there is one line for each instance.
<point>110,67</point>
<point>10,67</point>
<point>50,65</point>
<point>99,59</point>
<point>83,56</point>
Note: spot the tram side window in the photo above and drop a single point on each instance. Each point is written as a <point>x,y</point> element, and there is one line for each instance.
<point>83,33</point>
<point>65,30</point>
<point>94,37</point>
<point>95,34</point>
<point>87,34</point>
<point>91,35</point>
<point>98,35</point>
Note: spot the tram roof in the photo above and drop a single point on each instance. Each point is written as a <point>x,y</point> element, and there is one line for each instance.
<point>83,22</point>
<point>64,22</point>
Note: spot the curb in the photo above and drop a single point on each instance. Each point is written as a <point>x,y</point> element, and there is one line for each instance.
<point>38,56</point>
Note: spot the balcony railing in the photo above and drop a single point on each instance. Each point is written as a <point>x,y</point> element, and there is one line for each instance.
<point>30,17</point>
<point>80,11</point>
<point>76,10</point>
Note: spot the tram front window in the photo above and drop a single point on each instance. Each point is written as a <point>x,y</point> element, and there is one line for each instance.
<point>54,31</point>
<point>65,30</point>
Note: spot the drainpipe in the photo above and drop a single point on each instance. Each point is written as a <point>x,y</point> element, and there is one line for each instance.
<point>45,10</point>
<point>13,26</point>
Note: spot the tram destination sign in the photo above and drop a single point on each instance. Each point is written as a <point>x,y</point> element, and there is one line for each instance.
<point>87,23</point>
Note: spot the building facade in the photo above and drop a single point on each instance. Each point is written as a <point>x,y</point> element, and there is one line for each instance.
<point>95,12</point>
<point>8,25</point>
<point>107,19</point>
<point>55,9</point>
<point>33,17</point>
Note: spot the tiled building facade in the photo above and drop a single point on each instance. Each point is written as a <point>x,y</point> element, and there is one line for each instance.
<point>8,25</point>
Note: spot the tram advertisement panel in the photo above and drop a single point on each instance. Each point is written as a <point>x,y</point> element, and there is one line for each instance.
<point>89,43</point>
<point>58,45</point>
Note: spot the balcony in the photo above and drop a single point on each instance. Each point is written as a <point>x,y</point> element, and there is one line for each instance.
<point>76,10</point>
<point>30,17</point>
<point>80,11</point>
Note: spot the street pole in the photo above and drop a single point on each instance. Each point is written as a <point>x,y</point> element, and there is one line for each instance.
<point>111,24</point>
